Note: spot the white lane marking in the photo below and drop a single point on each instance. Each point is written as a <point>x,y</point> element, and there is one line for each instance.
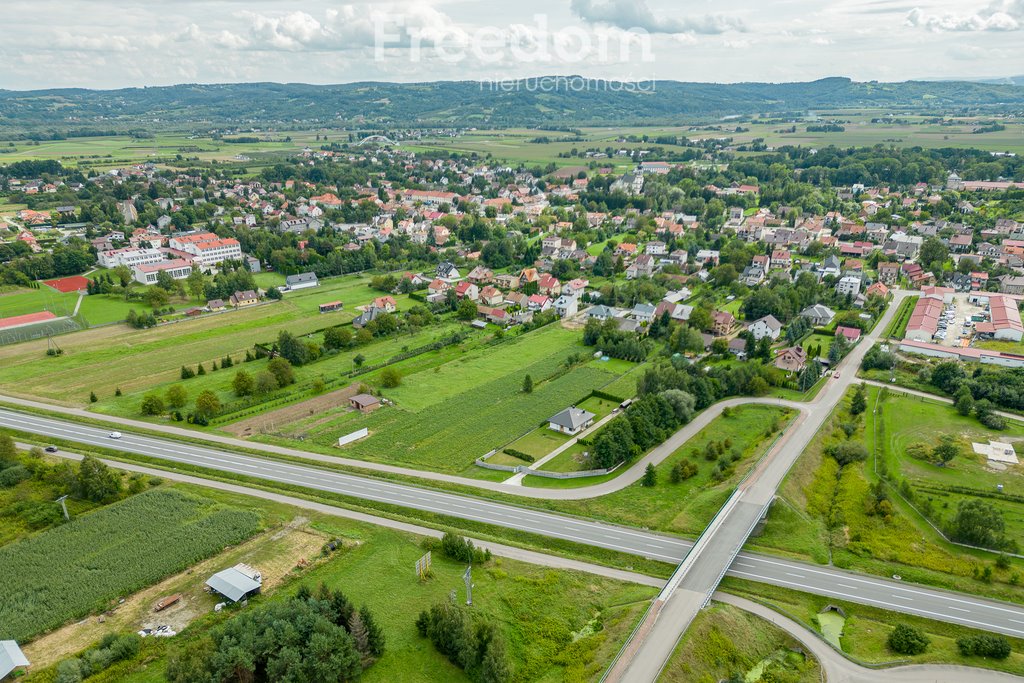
<point>871,601</point>
<point>938,595</point>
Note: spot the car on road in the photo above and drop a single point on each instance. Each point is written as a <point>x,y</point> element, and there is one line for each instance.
<point>50,449</point>
<point>115,435</point>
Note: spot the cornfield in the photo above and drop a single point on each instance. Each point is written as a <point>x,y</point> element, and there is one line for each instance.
<point>80,567</point>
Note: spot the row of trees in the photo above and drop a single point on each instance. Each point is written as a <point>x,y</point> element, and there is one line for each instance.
<point>648,421</point>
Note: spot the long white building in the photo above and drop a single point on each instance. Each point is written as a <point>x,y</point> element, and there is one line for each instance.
<point>129,256</point>
<point>207,248</point>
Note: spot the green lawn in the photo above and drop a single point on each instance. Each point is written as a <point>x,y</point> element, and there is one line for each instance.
<point>96,359</point>
<point>542,440</point>
<point>687,507</point>
<point>22,301</point>
<point>867,629</point>
<point>824,340</point>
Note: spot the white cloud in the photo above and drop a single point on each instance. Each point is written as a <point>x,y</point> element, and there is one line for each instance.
<point>635,14</point>
<point>999,15</point>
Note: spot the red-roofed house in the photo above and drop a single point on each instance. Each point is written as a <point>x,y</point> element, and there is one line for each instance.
<point>851,333</point>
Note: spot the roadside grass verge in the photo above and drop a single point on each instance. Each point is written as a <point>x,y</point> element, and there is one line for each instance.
<point>867,629</point>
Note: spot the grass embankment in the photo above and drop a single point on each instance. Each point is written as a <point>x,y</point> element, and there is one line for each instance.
<point>726,643</point>
<point>825,513</point>
<point>866,629</point>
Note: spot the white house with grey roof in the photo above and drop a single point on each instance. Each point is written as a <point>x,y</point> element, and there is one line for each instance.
<point>572,420</point>
<point>11,657</point>
<point>301,281</point>
<point>767,326</point>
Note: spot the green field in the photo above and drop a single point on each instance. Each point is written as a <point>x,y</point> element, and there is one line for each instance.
<point>823,514</point>
<point>79,567</point>
<point>542,440</point>
<point>447,415</point>
<point>94,360</point>
<point>726,643</point>
<point>867,629</point>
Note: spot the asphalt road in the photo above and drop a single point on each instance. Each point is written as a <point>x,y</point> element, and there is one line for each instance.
<point>960,609</point>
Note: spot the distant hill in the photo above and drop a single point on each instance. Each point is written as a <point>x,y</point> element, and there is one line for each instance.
<point>470,103</point>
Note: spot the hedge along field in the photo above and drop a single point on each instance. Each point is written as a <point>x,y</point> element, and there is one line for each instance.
<point>78,568</point>
<point>448,435</point>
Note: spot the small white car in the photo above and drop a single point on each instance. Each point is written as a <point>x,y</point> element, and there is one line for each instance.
<point>115,435</point>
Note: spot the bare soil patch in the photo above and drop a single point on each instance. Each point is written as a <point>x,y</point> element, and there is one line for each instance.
<point>274,420</point>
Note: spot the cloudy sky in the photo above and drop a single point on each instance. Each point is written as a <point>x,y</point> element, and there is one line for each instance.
<point>118,43</point>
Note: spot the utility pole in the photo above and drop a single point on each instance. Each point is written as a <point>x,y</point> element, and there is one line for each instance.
<point>468,578</point>
<point>64,507</point>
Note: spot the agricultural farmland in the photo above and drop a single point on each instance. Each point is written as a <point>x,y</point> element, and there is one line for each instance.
<point>78,568</point>
<point>447,416</point>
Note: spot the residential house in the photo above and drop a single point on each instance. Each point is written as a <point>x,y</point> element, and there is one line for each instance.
<point>643,313</point>
<point>792,359</point>
<point>566,306</point>
<point>549,285</point>
<point>643,266</point>
<point>480,275</point>
<point>243,299</point>
<point>301,281</point>
<point>848,285</point>
<point>506,281</point>
<point>538,302</point>
<point>491,296</point>
<point>767,326</point>
<point>467,289</point>
<point>1011,284</point>
<point>602,313</point>
<point>722,322</point>
<point>888,272</point>
<point>367,317</point>
<point>852,334</point>
<point>819,315</point>
<point>387,303</point>
<point>572,420</point>
<point>447,271</point>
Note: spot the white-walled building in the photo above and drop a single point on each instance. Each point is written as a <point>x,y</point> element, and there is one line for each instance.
<point>146,274</point>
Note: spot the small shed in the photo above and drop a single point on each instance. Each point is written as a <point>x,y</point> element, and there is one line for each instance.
<point>364,403</point>
<point>331,306</point>
<point>11,657</point>
<point>234,584</point>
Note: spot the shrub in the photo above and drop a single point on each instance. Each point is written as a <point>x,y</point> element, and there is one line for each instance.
<point>390,378</point>
<point>682,470</point>
<point>848,452</point>
<point>152,404</point>
<point>525,457</point>
<point>908,640</point>
<point>984,645</point>
<point>462,549</point>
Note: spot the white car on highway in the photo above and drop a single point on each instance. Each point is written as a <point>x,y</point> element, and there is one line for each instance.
<point>115,435</point>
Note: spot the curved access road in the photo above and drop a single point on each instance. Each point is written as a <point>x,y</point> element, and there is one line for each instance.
<point>839,669</point>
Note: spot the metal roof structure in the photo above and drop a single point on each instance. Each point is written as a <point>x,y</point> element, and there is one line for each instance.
<point>11,657</point>
<point>232,584</point>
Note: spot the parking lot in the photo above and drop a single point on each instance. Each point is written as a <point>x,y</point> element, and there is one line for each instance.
<point>952,331</point>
